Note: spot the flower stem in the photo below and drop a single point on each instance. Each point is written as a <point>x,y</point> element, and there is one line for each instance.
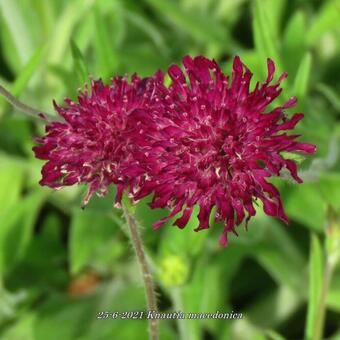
<point>28,110</point>
<point>146,273</point>
<point>320,320</point>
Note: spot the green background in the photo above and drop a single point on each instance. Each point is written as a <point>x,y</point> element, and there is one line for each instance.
<point>60,266</point>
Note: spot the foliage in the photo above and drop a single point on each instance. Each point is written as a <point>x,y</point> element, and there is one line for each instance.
<point>60,266</point>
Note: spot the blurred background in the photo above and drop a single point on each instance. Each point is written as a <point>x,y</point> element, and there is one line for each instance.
<point>60,266</point>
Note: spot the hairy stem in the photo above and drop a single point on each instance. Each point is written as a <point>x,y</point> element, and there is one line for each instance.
<point>145,270</point>
<point>320,320</point>
<point>28,110</point>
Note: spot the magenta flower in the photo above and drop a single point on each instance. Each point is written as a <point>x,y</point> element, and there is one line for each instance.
<point>89,146</point>
<point>210,140</point>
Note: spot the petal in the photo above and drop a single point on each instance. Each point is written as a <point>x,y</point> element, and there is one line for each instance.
<point>174,211</point>
<point>271,70</point>
<point>184,219</point>
<point>292,167</point>
<point>176,73</point>
<point>224,237</point>
<point>203,217</point>
<point>290,124</point>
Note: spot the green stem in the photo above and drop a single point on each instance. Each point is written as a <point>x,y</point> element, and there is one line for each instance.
<point>321,313</point>
<point>28,110</point>
<point>146,273</point>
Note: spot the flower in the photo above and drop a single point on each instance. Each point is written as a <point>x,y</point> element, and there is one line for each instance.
<point>90,145</point>
<point>209,140</point>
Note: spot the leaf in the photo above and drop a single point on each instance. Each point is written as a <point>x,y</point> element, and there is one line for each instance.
<point>103,46</point>
<point>134,53</point>
<point>10,303</point>
<point>298,158</point>
<point>272,335</point>
<point>280,256</point>
<point>273,234</point>
<point>316,260</point>
<point>282,271</point>
<point>92,241</point>
<point>10,54</point>
<point>79,64</point>
<point>293,43</point>
<point>66,78</point>
<point>264,37</point>
<point>11,181</point>
<point>18,28</point>
<point>37,268</point>
<point>330,94</point>
<point>320,165</point>
<point>72,318</point>
<point>198,287</point>
<point>22,329</point>
<point>333,299</point>
<point>212,275</point>
<point>186,241</point>
<point>72,12</point>
<point>327,19</point>
<point>302,79</point>
<point>304,204</point>
<point>244,329</point>
<point>149,28</point>
<point>28,71</point>
<point>16,231</point>
<point>202,28</point>
<point>77,318</point>
<point>277,305</point>
<point>330,184</point>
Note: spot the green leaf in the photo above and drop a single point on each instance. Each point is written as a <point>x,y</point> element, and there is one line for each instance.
<point>16,231</point>
<point>148,27</point>
<point>277,305</point>
<point>272,335</point>
<point>302,79</point>
<point>186,241</point>
<point>11,181</point>
<point>92,241</point>
<point>276,265</point>
<point>273,234</point>
<point>28,71</point>
<point>244,329</point>
<point>72,12</point>
<point>327,19</point>
<point>71,318</point>
<point>77,318</point>
<point>293,156</point>
<point>330,94</point>
<point>316,260</point>
<point>66,77</point>
<point>305,205</point>
<point>264,36</point>
<point>10,53</point>
<point>330,184</point>
<point>79,64</point>
<point>202,28</point>
<point>10,304</point>
<point>293,43</point>
<point>333,298</point>
<point>199,285</point>
<point>19,29</point>
<point>104,47</point>
<point>22,329</point>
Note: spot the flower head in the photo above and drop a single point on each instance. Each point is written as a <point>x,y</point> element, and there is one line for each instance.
<point>209,140</point>
<point>90,145</point>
